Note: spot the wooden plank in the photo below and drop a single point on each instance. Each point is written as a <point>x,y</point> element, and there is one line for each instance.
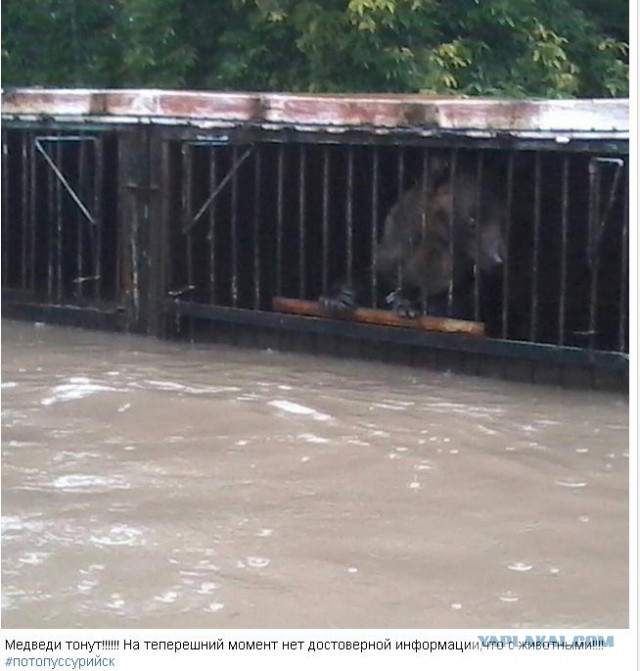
<point>380,317</point>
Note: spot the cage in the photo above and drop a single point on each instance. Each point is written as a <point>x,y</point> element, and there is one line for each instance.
<point>199,215</point>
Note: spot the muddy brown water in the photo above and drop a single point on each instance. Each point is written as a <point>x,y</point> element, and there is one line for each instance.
<point>160,484</point>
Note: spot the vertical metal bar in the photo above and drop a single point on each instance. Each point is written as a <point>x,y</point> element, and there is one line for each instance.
<point>190,233</point>
<point>375,222</point>
<point>24,213</point>
<point>98,216</point>
<point>506,299</point>
<point>133,234</point>
<point>186,202</point>
<point>59,158</point>
<point>349,215</point>
<point>80,219</point>
<point>594,210</point>
<point>119,223</point>
<point>301,221</point>
<point>6,211</point>
<point>234,230</point>
<point>425,186</point>
<point>564,238</point>
<point>149,149</point>
<point>280,219</point>
<point>49,220</point>
<point>212,227</point>
<point>533,324</point>
<point>32,210</point>
<point>166,275</point>
<point>452,220</point>
<point>478,228</point>
<point>257,206</point>
<point>399,273</point>
<point>325,220</point>
<point>624,266</point>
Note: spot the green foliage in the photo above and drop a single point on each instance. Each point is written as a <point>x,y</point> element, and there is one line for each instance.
<point>59,42</point>
<point>153,50</point>
<point>514,48</point>
<point>528,48</point>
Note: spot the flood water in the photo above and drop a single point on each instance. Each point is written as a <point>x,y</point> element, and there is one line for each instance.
<point>160,484</point>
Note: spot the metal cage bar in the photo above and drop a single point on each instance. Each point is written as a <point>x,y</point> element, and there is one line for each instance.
<point>59,231</point>
<point>98,218</point>
<point>211,237</point>
<point>79,274</point>
<point>425,185</point>
<point>564,238</point>
<point>33,199</point>
<point>400,191</point>
<point>593,253</point>
<point>624,275</point>
<point>325,218</point>
<point>453,172</point>
<point>257,225</point>
<point>7,233</point>
<point>506,276</point>
<point>349,215</point>
<point>187,210</point>
<point>533,321</point>
<point>24,213</point>
<point>302,229</point>
<point>477,229</point>
<point>279,220</point>
<point>375,224</point>
<point>48,213</point>
<point>234,230</point>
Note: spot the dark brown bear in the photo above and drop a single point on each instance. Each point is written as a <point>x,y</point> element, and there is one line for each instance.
<point>432,240</point>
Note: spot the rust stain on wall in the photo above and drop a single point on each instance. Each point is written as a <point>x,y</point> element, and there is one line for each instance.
<point>323,111</point>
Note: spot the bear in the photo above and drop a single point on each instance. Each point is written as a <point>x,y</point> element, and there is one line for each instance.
<point>434,240</point>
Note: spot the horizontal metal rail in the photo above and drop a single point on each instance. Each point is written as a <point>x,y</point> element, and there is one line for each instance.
<point>616,143</point>
<point>564,356</point>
